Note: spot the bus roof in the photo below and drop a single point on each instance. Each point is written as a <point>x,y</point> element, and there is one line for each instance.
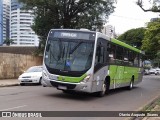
<point>77,30</point>
<point>125,45</point>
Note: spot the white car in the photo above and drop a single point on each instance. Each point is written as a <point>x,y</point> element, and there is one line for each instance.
<point>157,71</point>
<point>152,71</point>
<point>32,75</point>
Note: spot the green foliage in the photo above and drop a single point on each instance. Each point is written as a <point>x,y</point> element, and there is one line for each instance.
<point>133,37</point>
<point>67,14</point>
<point>151,42</point>
<point>8,42</point>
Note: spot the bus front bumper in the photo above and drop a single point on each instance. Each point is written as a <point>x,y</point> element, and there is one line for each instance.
<point>82,86</point>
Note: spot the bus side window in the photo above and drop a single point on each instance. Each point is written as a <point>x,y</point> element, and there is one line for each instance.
<point>100,54</point>
<point>112,54</point>
<point>140,61</point>
<point>126,62</point>
<point>131,61</point>
<point>119,55</point>
<point>136,60</point>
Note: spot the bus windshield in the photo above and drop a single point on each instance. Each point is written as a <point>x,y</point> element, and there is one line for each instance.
<point>68,54</point>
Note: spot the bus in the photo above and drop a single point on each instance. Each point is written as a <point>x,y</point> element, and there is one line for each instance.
<point>89,61</point>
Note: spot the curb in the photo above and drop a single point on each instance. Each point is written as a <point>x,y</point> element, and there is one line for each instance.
<point>145,107</point>
<point>8,85</point>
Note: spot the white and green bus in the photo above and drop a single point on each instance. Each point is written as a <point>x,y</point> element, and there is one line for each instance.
<point>89,61</point>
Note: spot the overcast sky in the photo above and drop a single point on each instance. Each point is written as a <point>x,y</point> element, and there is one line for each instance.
<point>128,15</point>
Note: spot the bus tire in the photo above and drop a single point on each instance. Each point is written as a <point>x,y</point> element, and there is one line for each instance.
<point>105,89</point>
<point>131,84</point>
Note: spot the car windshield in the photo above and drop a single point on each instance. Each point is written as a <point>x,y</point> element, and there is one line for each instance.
<point>34,69</point>
<point>69,55</point>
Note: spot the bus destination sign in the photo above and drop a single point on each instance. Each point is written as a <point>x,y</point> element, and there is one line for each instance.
<point>73,35</point>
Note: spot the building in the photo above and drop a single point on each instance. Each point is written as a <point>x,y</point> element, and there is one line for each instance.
<point>109,30</point>
<point>6,19</point>
<point>20,26</point>
<point>1,20</point>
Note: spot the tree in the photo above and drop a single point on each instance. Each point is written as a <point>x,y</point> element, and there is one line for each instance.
<point>67,14</point>
<point>154,8</point>
<point>133,37</point>
<point>151,42</point>
<point>8,42</point>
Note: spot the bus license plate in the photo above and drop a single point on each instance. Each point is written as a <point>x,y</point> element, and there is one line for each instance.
<point>62,87</point>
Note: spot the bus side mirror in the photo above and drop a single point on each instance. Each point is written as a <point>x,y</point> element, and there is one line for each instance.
<point>48,47</point>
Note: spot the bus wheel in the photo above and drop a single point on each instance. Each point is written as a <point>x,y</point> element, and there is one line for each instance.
<point>130,87</point>
<point>105,89</point>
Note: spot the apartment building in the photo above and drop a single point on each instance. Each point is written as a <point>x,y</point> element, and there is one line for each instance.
<point>6,19</point>
<point>1,22</point>
<point>109,30</point>
<point>20,26</point>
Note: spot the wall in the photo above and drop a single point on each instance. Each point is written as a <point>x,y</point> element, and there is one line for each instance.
<point>12,65</point>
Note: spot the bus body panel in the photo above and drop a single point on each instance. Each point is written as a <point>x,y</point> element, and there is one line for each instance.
<point>99,78</point>
<point>71,79</point>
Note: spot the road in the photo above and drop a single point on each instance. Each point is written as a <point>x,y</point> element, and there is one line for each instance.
<point>38,98</point>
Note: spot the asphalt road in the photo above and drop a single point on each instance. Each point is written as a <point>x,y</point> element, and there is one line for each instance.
<point>38,98</point>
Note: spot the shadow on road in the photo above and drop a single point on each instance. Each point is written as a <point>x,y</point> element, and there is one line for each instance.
<point>86,96</point>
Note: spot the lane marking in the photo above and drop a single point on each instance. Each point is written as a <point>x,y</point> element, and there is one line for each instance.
<point>13,108</point>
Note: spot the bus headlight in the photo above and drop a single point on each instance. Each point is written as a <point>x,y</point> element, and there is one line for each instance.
<point>44,75</point>
<point>86,79</point>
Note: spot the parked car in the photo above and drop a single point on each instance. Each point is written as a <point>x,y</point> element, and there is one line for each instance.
<point>146,72</point>
<point>152,71</point>
<point>157,71</point>
<point>32,75</point>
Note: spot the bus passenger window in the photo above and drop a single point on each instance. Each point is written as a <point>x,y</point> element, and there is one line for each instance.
<point>100,55</point>
<point>119,55</point>
<point>131,60</point>
<point>126,62</point>
<point>112,54</point>
<point>136,60</point>
<point>140,61</point>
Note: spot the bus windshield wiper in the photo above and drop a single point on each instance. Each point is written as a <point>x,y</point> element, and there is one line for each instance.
<point>75,47</point>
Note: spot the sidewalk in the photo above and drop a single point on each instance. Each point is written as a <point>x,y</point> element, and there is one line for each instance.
<point>9,82</point>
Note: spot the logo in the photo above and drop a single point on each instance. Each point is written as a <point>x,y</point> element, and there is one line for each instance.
<point>6,114</point>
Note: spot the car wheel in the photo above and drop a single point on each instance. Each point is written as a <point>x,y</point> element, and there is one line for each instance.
<point>22,84</point>
<point>40,81</point>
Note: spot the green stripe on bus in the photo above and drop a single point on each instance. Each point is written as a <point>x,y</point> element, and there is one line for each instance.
<point>125,45</point>
<point>71,79</point>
